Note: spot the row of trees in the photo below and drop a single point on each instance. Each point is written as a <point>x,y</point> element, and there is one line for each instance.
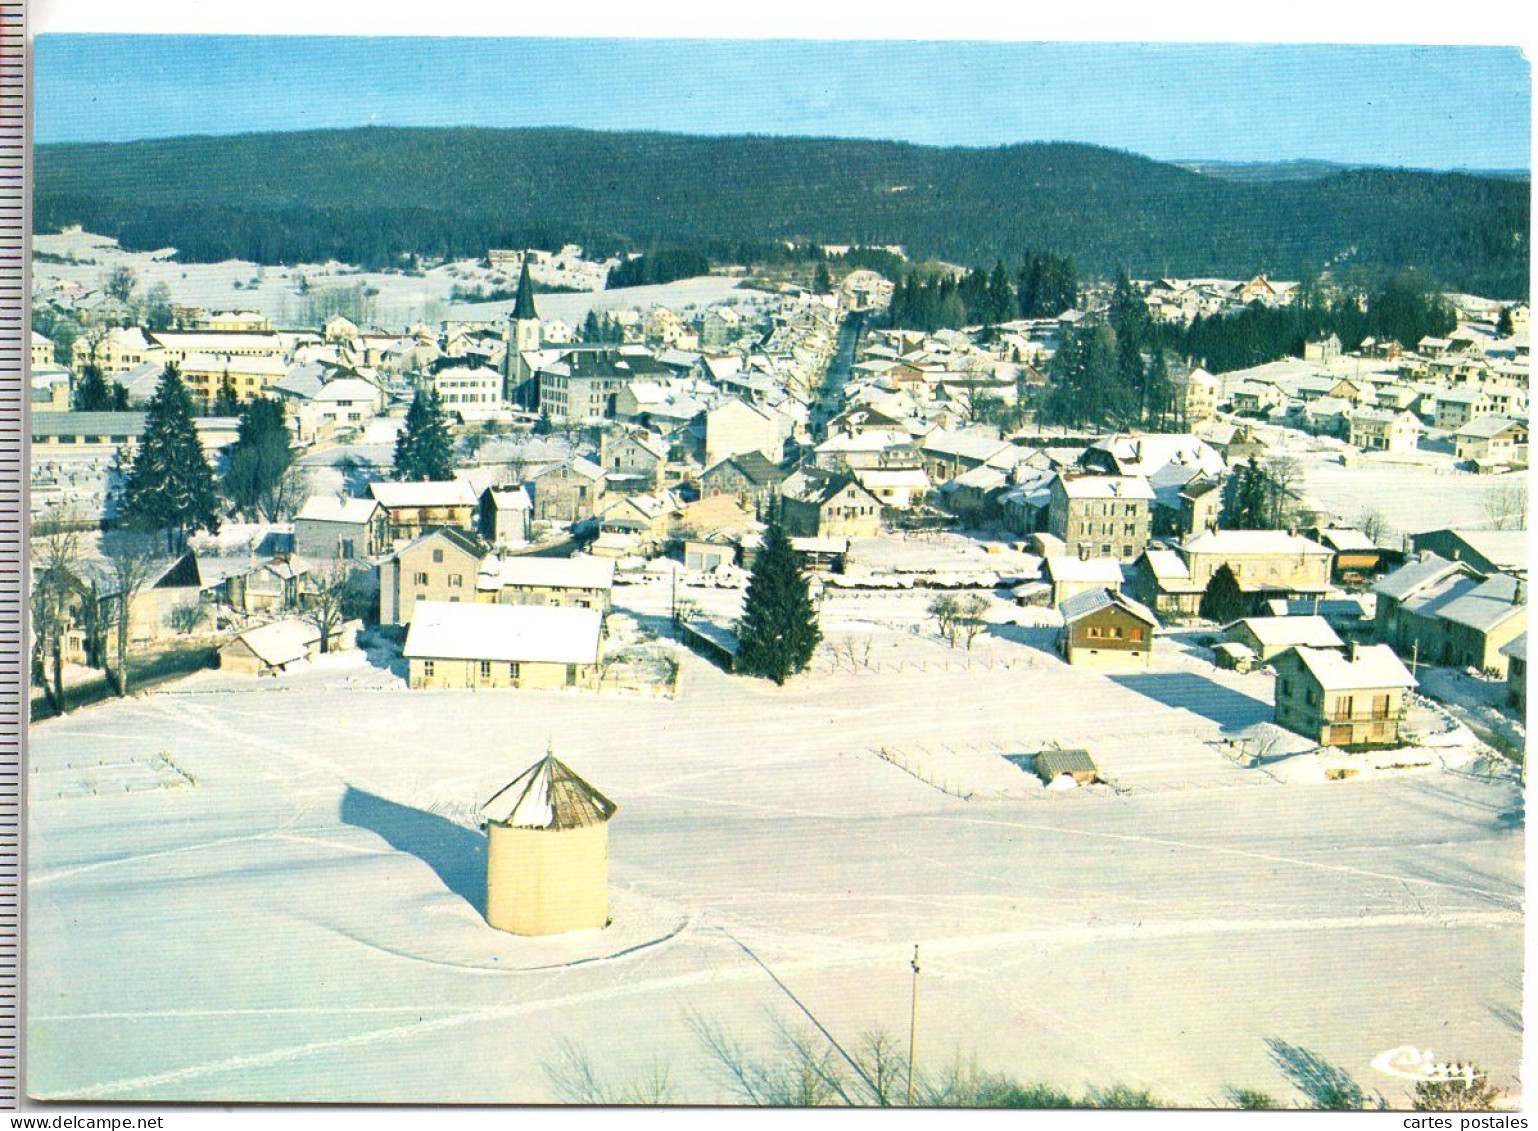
<point>1404,308</point>
<point>1044,286</point>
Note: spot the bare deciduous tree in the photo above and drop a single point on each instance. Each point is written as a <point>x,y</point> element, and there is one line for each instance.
<point>946,610</point>
<point>971,617</point>
<point>131,559</point>
<point>330,586</point>
<point>1374,525</point>
<point>56,548</point>
<point>1505,506</point>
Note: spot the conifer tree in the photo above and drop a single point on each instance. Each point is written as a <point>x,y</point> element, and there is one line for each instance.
<point>170,486</point>
<point>258,460</point>
<point>227,401</point>
<point>1223,601</point>
<point>423,450</point>
<point>822,282</point>
<point>779,630</point>
<point>1247,503</point>
<point>1503,323</point>
<point>93,392</point>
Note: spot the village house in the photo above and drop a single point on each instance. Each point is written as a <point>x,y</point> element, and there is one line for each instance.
<point>1069,576</point>
<point>814,503</point>
<point>1441,612</point>
<point>1383,430</point>
<point>506,516</point>
<point>581,582</point>
<point>736,426</point>
<point>1201,506</point>
<point>452,646</point>
<point>1198,393</point>
<point>115,351</point>
<point>749,477</point>
<point>569,492</point>
<point>333,527</point>
<point>1357,556</point>
<point>441,565</point>
<point>1492,441</point>
<point>413,508</point>
<point>468,393</point>
<point>946,454</point>
<point>1455,408</point>
<point>1351,698</point>
<point>272,648</point>
<point>582,385</point>
<point>897,488</point>
<point>1488,551</point>
<point>635,453</point>
<point>1105,516</point>
<point>1104,629</point>
<point>1268,637</point>
<point>277,585</point>
<point>1267,563</point>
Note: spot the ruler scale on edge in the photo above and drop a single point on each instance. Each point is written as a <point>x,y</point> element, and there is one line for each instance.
<point>15,242</point>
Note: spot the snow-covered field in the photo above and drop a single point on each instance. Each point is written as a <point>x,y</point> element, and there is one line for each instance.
<point>281,902</point>
<point>401,300</point>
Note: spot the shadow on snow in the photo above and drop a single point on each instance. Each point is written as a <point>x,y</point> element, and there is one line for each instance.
<point>1230,709</point>
<point>456,854</point>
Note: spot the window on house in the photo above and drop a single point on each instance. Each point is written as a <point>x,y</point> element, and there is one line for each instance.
<point>456,581</point>
<point>485,669</point>
<point>427,667</point>
<point>437,555</point>
<point>1135,634</point>
<point>512,670</point>
<point>419,579</point>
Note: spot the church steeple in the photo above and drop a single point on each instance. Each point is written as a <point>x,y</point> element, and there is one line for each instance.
<point>523,305</point>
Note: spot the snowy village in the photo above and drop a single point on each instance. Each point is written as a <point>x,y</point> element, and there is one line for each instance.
<point>830,675</point>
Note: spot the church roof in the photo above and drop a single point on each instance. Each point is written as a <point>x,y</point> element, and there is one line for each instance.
<point>548,795</point>
<point>523,305</point>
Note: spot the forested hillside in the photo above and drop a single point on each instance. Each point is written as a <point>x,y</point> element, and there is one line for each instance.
<point>372,196</point>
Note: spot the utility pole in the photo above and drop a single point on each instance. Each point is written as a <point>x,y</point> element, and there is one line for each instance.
<point>1415,655</point>
<point>913,1025</point>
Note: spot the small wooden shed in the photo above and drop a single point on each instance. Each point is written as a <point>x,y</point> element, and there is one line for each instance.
<point>547,860</point>
<point>1077,764</point>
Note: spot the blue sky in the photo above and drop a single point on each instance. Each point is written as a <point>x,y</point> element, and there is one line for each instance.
<point>1429,107</point>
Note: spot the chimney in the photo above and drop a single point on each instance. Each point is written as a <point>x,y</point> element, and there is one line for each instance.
<point>1351,652</point>
<point>1519,592</point>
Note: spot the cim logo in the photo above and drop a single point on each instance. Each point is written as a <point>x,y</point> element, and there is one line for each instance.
<point>1409,1063</point>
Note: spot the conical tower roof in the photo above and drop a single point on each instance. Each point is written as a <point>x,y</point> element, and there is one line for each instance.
<point>548,795</point>
<point>523,305</point>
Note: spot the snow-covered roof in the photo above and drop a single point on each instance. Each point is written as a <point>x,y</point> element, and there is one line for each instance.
<point>439,493</point>
<point>281,642</point>
<point>548,795</point>
<point>1369,666</point>
<point>1239,542</point>
<point>1093,600</point>
<point>1065,567</point>
<point>580,572</point>
<point>1105,487</point>
<point>1416,574</point>
<point>1288,632</point>
<point>450,630</point>
<point>1345,540</point>
<point>334,508</point>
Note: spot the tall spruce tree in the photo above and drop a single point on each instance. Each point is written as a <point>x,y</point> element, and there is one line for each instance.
<point>93,392</point>
<point>1247,506</point>
<point>170,486</point>
<point>261,455</point>
<point>779,630</point>
<point>424,450</point>
<point>1223,601</point>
